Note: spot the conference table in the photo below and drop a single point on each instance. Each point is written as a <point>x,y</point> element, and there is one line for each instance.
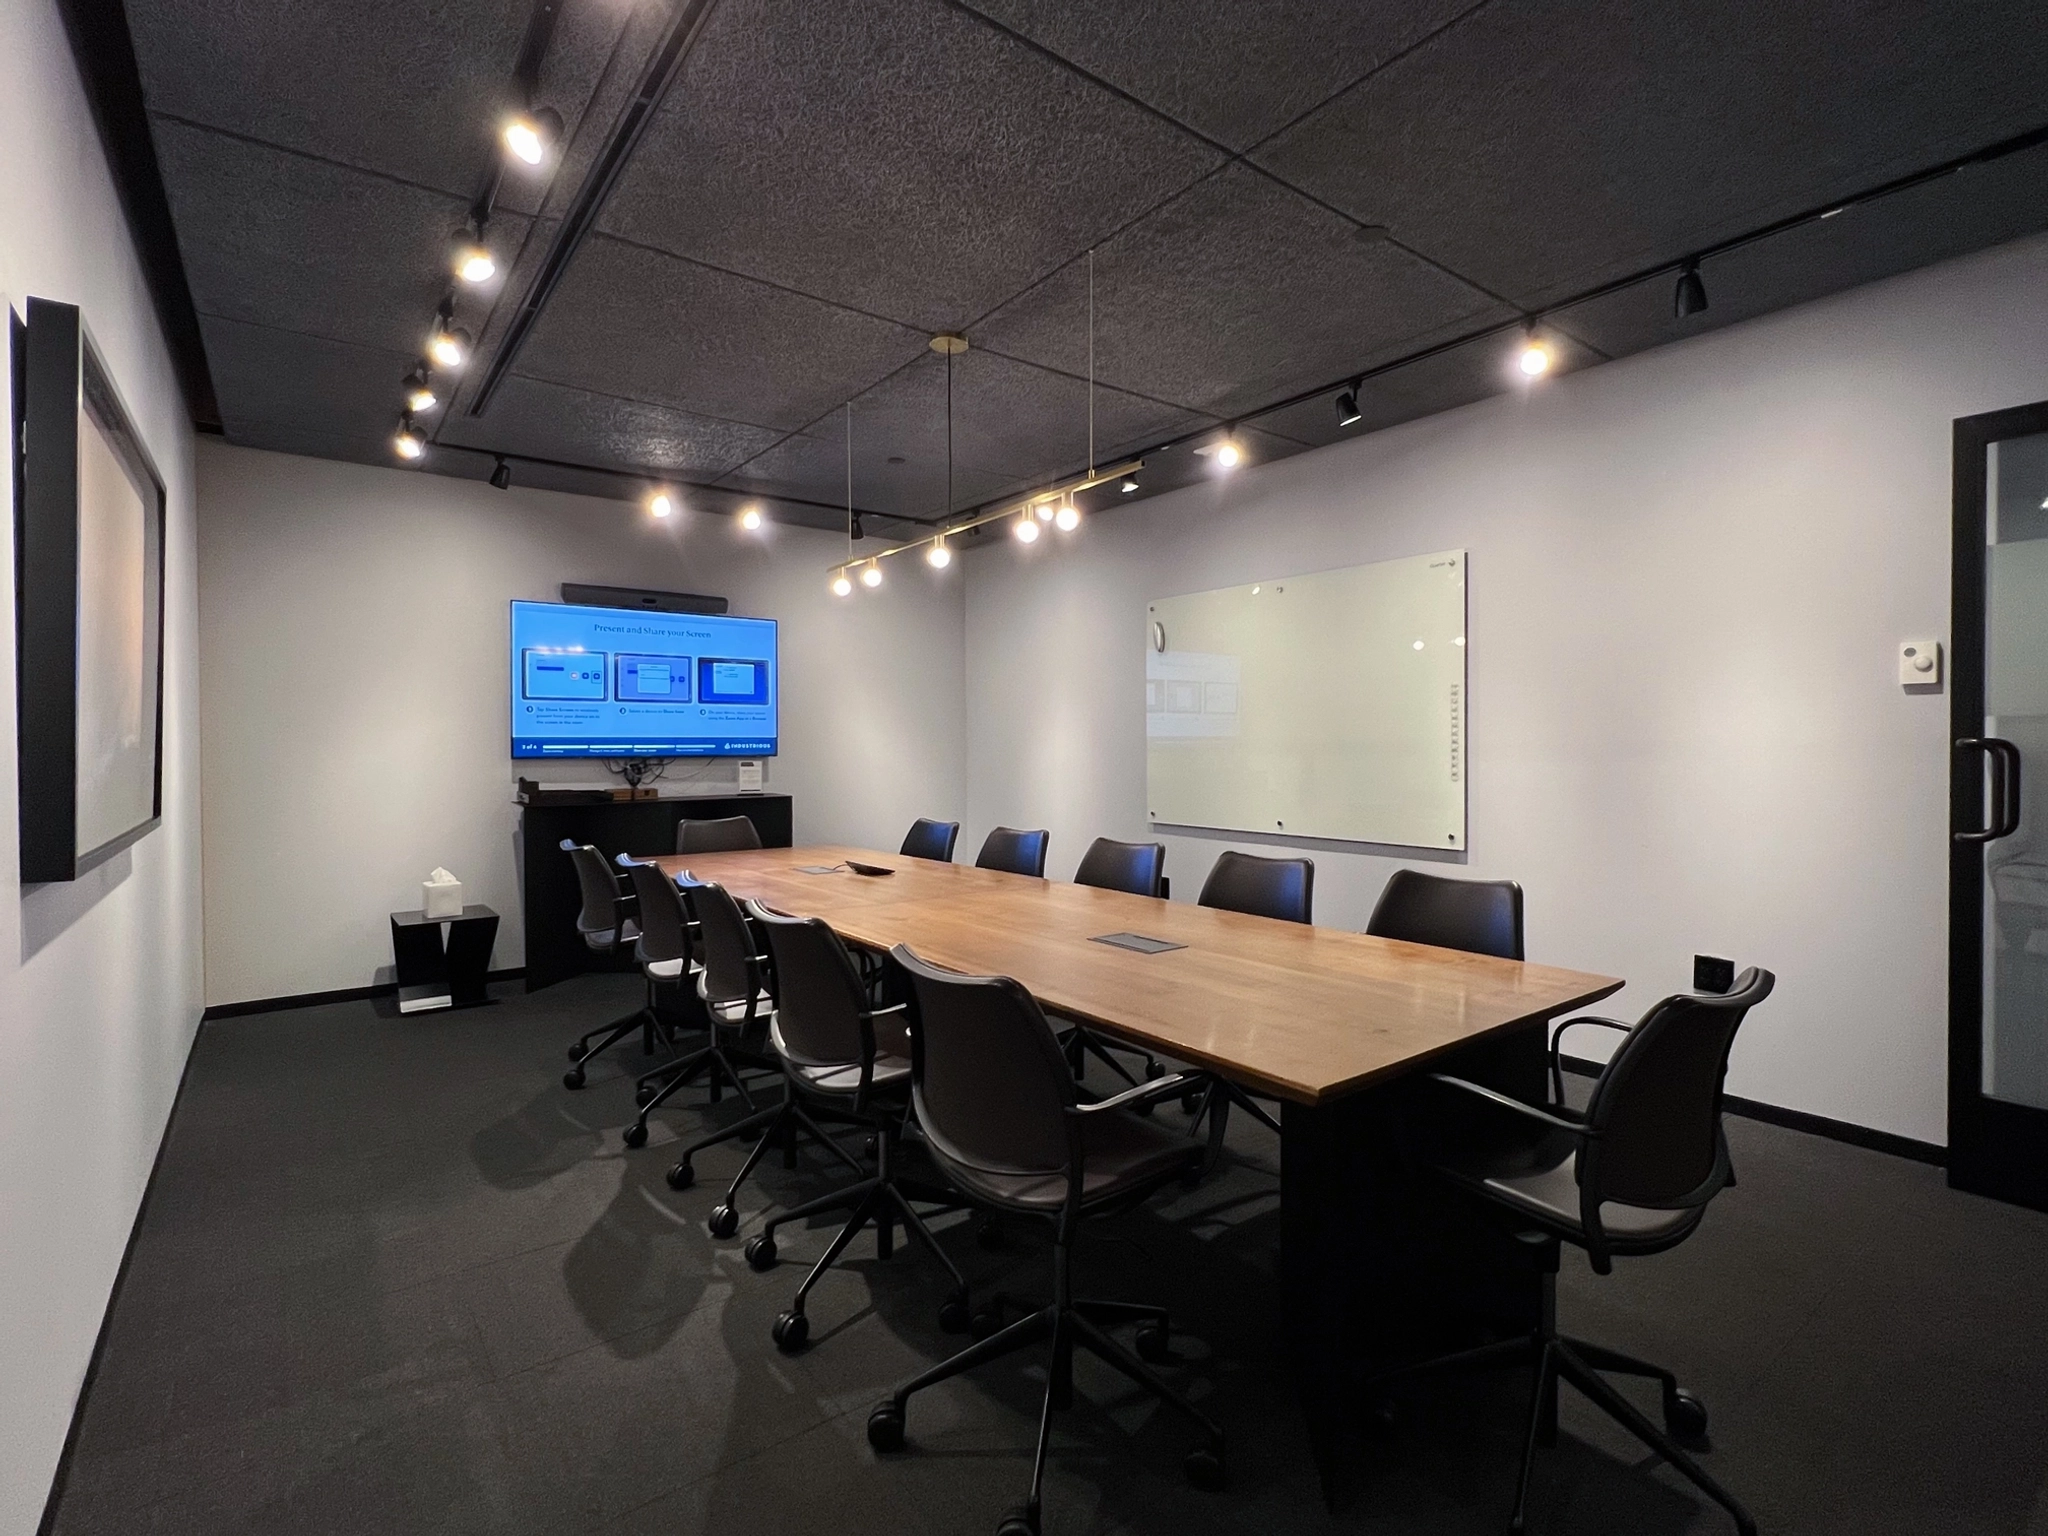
<point>1377,1264</point>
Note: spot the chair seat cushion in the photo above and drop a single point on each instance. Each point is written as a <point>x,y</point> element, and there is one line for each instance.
<point>1551,1195</point>
<point>1122,1156</point>
<point>606,938</point>
<point>666,970</point>
<point>845,1079</point>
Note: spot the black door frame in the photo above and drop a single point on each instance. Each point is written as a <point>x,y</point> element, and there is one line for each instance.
<point>1994,1148</point>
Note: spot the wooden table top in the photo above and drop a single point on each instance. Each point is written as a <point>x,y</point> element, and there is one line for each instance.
<point>1304,1013</point>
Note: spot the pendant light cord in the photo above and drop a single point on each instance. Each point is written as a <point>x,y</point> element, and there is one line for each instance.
<point>1091,362</point>
<point>949,437</point>
<point>849,480</point>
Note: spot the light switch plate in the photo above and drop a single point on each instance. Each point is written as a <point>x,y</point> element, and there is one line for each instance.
<point>1919,663</point>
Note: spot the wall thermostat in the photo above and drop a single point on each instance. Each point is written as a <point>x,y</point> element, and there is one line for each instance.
<point>1919,663</point>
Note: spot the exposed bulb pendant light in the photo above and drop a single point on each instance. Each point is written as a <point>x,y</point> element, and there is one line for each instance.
<point>1026,529</point>
<point>841,587</point>
<point>871,575</point>
<point>938,557</point>
<point>1690,297</point>
<point>1068,518</point>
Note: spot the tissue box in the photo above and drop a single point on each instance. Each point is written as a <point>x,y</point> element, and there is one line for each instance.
<point>441,898</point>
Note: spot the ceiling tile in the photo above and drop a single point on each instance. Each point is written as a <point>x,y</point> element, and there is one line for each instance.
<point>1234,293</point>
<point>635,322</point>
<point>410,88</point>
<point>899,156</point>
<point>280,240</point>
<point>269,378</point>
<point>551,421</point>
<point>812,465</point>
<point>1545,146</point>
<point>1228,69</point>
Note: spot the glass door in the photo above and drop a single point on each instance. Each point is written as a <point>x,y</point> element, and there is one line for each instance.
<point>1998,879</point>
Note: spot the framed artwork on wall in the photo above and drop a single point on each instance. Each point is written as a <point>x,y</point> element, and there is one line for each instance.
<point>89,604</point>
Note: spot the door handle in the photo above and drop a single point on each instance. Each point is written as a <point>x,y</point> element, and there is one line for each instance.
<point>2004,759</point>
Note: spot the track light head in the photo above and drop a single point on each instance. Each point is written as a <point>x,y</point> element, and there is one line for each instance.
<point>501,477</point>
<point>530,135</point>
<point>1347,406</point>
<point>854,529</point>
<point>1026,528</point>
<point>449,347</point>
<point>407,442</point>
<point>1068,518</point>
<point>470,258</point>
<point>871,575</point>
<point>1128,486</point>
<point>661,504</point>
<point>1690,297</point>
<point>938,557</point>
<point>750,518</point>
<point>1535,358</point>
<point>841,587</point>
<point>1228,454</point>
<point>419,391</point>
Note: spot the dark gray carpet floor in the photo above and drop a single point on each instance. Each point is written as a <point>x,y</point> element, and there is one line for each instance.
<point>394,1278</point>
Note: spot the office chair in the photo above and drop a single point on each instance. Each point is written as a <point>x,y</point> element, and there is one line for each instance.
<point>1014,852</point>
<point>1481,917</point>
<point>1283,889</point>
<point>928,839</point>
<point>843,1054</point>
<point>1003,1120</point>
<point>662,913</point>
<point>722,834</point>
<point>1140,869</point>
<point>1632,1175</point>
<point>606,922</point>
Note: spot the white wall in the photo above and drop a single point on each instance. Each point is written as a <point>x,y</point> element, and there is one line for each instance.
<point>1690,572</point>
<point>352,636</point>
<point>99,980</point>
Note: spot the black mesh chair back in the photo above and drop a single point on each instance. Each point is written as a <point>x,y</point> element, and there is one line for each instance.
<point>1655,1113</point>
<point>820,1004</point>
<point>990,1081</point>
<point>928,839</point>
<point>1483,917</point>
<point>723,834</point>
<point>732,970</point>
<point>602,911</point>
<point>1114,866</point>
<point>1244,882</point>
<point>1016,853</point>
<point>664,925</point>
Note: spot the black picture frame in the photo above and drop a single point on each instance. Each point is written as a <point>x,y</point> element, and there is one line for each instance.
<point>64,394</point>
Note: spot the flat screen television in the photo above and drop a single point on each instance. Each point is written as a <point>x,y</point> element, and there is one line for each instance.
<point>617,682</point>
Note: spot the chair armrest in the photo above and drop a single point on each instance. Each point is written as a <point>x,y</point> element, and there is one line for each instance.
<point>1504,1101</point>
<point>1173,1082</point>
<point>878,1013</point>
<point>1557,1056</point>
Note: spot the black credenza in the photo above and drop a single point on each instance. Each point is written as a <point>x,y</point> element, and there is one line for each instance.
<point>551,897</point>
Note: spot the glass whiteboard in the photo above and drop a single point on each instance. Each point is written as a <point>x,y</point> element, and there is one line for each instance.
<point>1330,705</point>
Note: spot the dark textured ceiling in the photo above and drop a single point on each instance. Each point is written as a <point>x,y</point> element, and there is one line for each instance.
<point>1277,196</point>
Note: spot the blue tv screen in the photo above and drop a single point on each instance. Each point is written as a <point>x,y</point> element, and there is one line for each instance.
<point>617,682</point>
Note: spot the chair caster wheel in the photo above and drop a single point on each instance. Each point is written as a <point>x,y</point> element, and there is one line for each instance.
<point>760,1252</point>
<point>954,1316</point>
<point>988,1233</point>
<point>643,1096</point>
<point>985,1325</point>
<point>885,1427</point>
<point>723,1221</point>
<point>573,1078</point>
<point>576,1051</point>
<point>682,1176</point>
<point>1204,1469</point>
<point>1191,1101</point>
<point>1018,1522</point>
<point>791,1331</point>
<point>635,1135</point>
<point>1685,1416</point>
<point>1155,1343</point>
